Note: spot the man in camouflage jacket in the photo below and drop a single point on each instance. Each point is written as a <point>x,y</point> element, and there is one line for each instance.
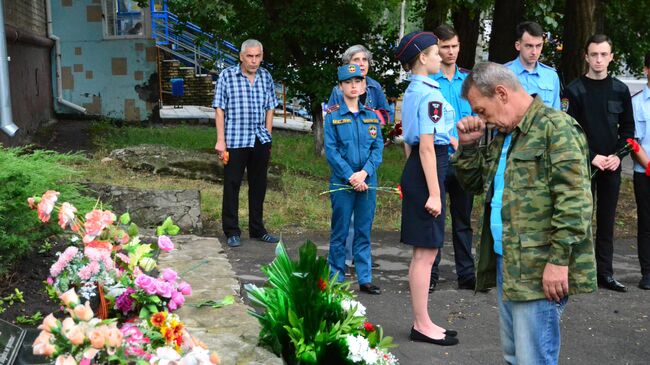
<point>544,193</point>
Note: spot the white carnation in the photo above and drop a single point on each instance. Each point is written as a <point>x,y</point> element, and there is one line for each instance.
<point>348,304</point>
<point>358,348</point>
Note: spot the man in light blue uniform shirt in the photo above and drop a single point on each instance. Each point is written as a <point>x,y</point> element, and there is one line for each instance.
<point>450,78</point>
<point>641,108</point>
<point>534,76</point>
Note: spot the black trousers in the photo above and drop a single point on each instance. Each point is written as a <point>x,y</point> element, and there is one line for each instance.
<point>255,161</point>
<point>605,187</point>
<point>642,196</point>
<point>460,210</point>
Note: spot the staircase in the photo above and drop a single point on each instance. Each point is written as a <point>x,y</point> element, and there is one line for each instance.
<point>187,42</point>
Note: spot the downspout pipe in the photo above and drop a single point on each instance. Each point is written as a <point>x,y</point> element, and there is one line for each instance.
<point>6,118</point>
<point>57,61</point>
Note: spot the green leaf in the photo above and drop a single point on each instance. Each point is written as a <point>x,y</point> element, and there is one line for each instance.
<point>125,218</point>
<point>152,308</point>
<point>144,313</point>
<point>173,230</point>
<point>227,300</point>
<point>133,230</point>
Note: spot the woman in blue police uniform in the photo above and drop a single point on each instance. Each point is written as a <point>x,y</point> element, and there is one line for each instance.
<point>353,147</point>
<point>426,121</point>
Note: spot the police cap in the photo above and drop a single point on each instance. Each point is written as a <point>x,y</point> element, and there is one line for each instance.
<point>347,72</point>
<point>412,44</point>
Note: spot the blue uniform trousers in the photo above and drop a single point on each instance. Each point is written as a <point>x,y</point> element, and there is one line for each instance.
<point>344,204</point>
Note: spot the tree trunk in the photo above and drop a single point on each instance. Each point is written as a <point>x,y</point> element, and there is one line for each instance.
<point>467,25</point>
<point>435,14</point>
<point>507,14</point>
<point>579,24</point>
<point>317,127</point>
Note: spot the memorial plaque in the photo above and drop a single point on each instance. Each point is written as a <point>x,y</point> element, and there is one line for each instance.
<point>11,339</point>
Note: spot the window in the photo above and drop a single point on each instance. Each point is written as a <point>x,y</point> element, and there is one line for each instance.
<point>123,19</point>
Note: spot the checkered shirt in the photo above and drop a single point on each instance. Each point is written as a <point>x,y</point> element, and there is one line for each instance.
<point>245,105</point>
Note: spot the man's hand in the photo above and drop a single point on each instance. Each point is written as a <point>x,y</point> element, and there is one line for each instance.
<point>612,162</point>
<point>470,130</point>
<point>599,162</point>
<point>220,147</point>
<point>358,178</point>
<point>433,206</point>
<point>555,282</point>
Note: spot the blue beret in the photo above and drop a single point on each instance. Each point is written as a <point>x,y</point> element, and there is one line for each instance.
<point>347,72</point>
<point>412,44</point>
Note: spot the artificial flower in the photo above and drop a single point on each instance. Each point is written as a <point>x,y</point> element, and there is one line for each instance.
<point>65,360</point>
<point>169,275</point>
<point>83,312</point>
<point>75,334</point>
<point>50,323</point>
<point>46,205</point>
<point>165,243</point>
<point>96,337</point>
<point>67,215</point>
<point>69,298</point>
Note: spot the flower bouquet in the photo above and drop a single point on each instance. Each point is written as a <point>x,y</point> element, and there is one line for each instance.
<point>107,254</point>
<point>309,318</point>
<point>390,132</point>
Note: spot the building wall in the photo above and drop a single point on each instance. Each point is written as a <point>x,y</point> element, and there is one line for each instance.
<point>30,74</point>
<point>114,78</point>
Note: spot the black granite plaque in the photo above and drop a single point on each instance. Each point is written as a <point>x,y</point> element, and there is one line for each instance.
<point>11,339</point>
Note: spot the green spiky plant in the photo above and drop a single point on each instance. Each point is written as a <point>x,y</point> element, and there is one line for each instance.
<point>303,320</point>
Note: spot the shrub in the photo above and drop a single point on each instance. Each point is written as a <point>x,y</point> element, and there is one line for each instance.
<point>22,174</point>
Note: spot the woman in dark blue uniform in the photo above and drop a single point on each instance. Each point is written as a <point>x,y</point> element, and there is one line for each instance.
<point>426,121</point>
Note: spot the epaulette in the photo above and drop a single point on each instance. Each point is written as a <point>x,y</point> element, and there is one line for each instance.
<point>637,93</point>
<point>464,70</point>
<point>428,84</point>
<point>332,108</point>
<point>546,66</point>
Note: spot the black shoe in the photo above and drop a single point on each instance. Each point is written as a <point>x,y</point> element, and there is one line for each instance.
<point>451,333</point>
<point>370,289</point>
<point>419,337</point>
<point>610,283</point>
<point>234,241</point>
<point>645,282</point>
<point>467,284</point>
<point>268,238</point>
<point>432,285</point>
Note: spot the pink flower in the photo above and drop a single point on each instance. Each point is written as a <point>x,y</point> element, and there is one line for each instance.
<point>31,202</point>
<point>164,289</point>
<point>42,345</point>
<point>47,204</point>
<point>65,360</point>
<point>165,244</point>
<point>50,281</point>
<point>49,323</point>
<point>178,298</point>
<point>123,257</point>
<point>87,272</point>
<point>172,306</point>
<point>146,283</point>
<point>63,260</point>
<point>96,221</point>
<point>83,312</point>
<point>185,288</point>
<point>69,298</point>
<point>67,214</point>
<point>169,275</point>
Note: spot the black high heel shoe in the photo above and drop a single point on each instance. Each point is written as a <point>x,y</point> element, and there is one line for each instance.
<point>419,337</point>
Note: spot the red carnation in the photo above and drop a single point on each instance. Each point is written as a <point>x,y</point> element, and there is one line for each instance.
<point>399,190</point>
<point>369,327</point>
<point>322,284</point>
<point>634,145</point>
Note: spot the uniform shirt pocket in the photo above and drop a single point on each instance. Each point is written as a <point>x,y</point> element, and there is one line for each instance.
<point>614,108</point>
<point>534,251</point>
<point>527,169</point>
<point>640,129</point>
<point>546,92</point>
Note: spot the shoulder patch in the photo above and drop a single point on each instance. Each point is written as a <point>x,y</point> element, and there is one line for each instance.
<point>332,108</point>
<point>564,104</point>
<point>435,111</point>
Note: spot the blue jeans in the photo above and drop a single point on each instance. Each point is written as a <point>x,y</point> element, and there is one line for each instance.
<point>530,330</point>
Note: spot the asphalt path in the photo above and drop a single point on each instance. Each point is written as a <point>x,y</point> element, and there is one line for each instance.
<point>600,328</point>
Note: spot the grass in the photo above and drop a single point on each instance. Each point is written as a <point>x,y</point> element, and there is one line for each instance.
<point>294,206</point>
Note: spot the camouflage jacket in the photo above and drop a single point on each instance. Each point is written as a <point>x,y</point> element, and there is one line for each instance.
<point>547,204</point>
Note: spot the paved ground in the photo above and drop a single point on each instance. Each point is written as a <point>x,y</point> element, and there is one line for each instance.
<point>600,328</point>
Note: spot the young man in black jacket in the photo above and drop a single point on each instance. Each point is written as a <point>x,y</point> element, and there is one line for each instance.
<point>602,105</point>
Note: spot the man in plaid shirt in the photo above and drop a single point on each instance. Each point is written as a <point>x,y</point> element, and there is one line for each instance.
<point>244,100</point>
